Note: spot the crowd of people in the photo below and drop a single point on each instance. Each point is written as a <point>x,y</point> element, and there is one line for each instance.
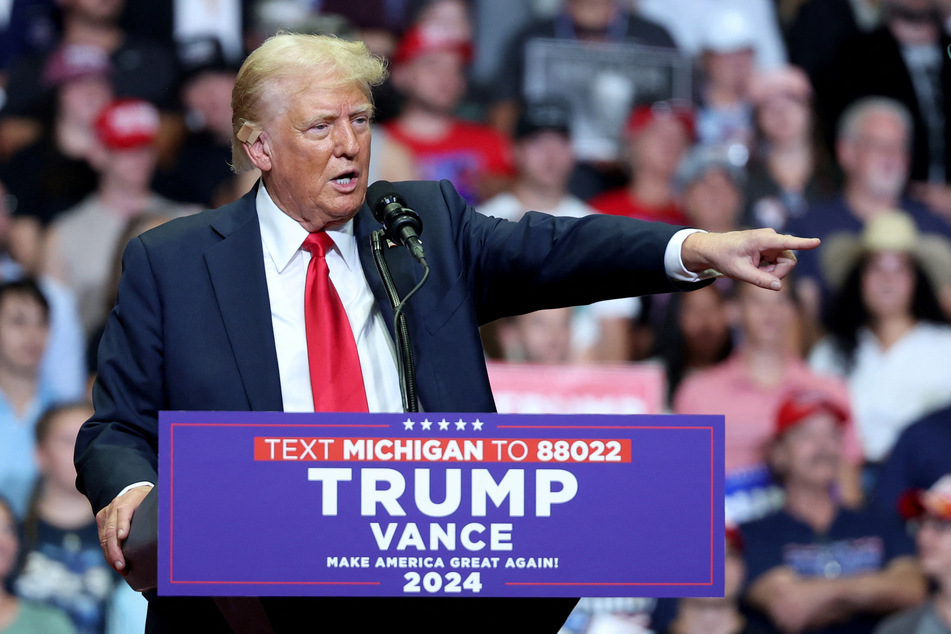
<point>820,118</point>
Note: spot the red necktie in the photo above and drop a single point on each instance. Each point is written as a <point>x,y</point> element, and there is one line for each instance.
<point>335,375</point>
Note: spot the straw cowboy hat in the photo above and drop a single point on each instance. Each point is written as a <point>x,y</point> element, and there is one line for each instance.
<point>888,231</point>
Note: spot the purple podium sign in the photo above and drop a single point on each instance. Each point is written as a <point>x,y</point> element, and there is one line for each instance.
<point>273,504</point>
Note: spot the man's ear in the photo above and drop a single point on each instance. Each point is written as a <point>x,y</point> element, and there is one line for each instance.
<point>258,150</point>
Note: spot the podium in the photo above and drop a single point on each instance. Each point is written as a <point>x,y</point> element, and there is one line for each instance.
<point>491,505</point>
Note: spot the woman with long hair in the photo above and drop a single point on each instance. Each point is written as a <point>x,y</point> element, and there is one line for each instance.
<point>888,336</point>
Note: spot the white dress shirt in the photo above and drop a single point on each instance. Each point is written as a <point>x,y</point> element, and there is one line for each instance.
<point>285,267</point>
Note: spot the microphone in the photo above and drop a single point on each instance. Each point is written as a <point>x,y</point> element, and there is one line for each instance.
<point>400,223</point>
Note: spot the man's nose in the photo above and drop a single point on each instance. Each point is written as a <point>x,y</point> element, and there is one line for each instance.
<point>345,143</point>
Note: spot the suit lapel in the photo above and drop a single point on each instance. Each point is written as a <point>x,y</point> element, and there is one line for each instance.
<point>398,260</point>
<point>237,274</point>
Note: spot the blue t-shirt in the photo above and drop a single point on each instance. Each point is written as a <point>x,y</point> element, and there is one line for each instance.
<point>920,456</point>
<point>856,543</point>
<point>65,569</point>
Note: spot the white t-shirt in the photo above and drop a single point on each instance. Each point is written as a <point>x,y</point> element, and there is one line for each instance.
<point>892,388</point>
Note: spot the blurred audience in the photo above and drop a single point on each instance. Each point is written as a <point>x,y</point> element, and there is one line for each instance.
<point>24,332</point>
<point>142,68</point>
<point>134,226</point>
<point>711,189</point>
<point>689,22</point>
<point>429,70</point>
<point>543,155</point>
<point>578,20</point>
<point>80,243</point>
<point>657,137</point>
<point>718,616</point>
<point>182,21</point>
<point>786,170</point>
<point>905,59</point>
<point>816,565</point>
<point>872,148</point>
<point>63,565</point>
<point>53,173</point>
<point>695,336</point>
<point>930,512</point>
<point>918,459</point>
<point>540,337</point>
<point>725,112</point>
<point>202,166</point>
<point>543,158</point>
<point>888,336</point>
<point>16,615</point>
<point>822,27</point>
<point>748,389</point>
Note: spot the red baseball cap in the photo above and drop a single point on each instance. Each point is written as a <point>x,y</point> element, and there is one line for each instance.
<point>799,406</point>
<point>936,501</point>
<point>734,538</point>
<point>642,116</point>
<point>126,124</point>
<point>418,41</point>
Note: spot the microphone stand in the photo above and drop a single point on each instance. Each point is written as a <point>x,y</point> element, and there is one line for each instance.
<point>404,350</point>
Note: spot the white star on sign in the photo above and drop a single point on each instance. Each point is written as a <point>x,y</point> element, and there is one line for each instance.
<point>426,424</point>
<point>444,424</point>
<point>477,425</point>
<point>460,424</point>
<point>407,424</point>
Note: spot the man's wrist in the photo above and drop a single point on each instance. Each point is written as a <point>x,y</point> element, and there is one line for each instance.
<point>135,485</point>
<point>685,269</point>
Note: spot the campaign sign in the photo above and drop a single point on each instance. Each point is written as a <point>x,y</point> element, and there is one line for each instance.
<point>527,388</point>
<point>440,505</point>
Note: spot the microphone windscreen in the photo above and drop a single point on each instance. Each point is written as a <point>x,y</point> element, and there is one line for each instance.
<point>379,195</point>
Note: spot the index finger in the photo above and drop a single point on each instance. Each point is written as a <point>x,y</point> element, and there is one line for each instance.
<point>794,243</point>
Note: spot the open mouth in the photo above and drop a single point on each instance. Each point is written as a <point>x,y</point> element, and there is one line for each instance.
<point>346,178</point>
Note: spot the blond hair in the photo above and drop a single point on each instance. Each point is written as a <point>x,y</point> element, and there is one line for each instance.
<point>293,58</point>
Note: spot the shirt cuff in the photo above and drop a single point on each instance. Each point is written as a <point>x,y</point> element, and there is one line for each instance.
<point>135,486</point>
<point>674,264</point>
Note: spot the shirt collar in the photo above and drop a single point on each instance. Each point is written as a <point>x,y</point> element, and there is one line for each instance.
<point>283,236</point>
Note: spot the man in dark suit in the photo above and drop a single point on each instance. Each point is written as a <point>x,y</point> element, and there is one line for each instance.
<point>211,314</point>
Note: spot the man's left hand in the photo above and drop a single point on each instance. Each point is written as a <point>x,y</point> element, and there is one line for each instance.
<point>761,257</point>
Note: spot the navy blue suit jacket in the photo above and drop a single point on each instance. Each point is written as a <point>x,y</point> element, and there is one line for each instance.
<point>192,326</point>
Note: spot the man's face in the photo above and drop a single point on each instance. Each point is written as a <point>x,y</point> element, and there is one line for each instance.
<point>545,335</point>
<point>55,454</point>
<point>23,332</point>
<point>730,70</point>
<point>810,452</point>
<point>434,80</point>
<point>934,546</point>
<point>712,201</point>
<point>545,160</point>
<point>592,15</point>
<point>659,147</point>
<point>766,316</point>
<point>875,158</point>
<point>132,168</point>
<point>314,153</point>
<point>83,99</point>
<point>97,10</point>
<point>209,94</point>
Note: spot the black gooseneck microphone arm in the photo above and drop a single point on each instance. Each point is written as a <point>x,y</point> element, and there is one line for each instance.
<point>403,224</point>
